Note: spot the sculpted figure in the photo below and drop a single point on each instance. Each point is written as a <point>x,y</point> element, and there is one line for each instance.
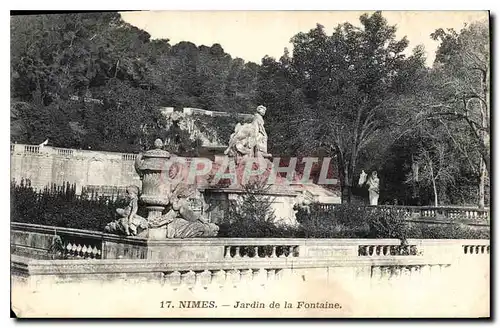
<point>373,188</point>
<point>250,139</point>
<point>186,223</point>
<point>362,178</point>
<point>129,222</point>
<point>302,202</point>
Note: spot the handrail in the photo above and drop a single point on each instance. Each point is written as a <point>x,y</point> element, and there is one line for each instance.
<point>35,149</point>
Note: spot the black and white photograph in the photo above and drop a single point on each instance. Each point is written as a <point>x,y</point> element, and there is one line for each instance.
<point>250,164</point>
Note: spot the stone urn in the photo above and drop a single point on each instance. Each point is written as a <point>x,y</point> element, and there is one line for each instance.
<point>156,169</point>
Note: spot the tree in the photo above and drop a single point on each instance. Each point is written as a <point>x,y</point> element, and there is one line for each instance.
<point>455,95</point>
<point>348,84</point>
<point>463,66</point>
<point>434,163</point>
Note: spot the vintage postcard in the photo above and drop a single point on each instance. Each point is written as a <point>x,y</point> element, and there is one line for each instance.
<point>250,164</point>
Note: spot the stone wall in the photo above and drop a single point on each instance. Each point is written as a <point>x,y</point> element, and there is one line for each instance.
<point>363,276</point>
<point>47,165</point>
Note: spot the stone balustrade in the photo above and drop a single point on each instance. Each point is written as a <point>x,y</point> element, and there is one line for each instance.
<point>265,269</point>
<point>129,157</point>
<point>76,250</point>
<point>37,240</point>
<point>476,249</point>
<point>66,152</point>
<point>445,213</point>
<point>387,250</point>
<point>84,244</point>
<point>29,149</point>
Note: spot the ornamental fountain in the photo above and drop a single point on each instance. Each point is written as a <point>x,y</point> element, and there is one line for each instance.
<point>165,197</point>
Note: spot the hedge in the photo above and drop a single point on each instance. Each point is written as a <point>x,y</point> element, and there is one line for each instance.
<point>252,218</point>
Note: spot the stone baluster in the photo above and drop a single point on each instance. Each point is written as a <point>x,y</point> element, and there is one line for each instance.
<point>203,278</point>
<point>246,275</point>
<point>273,252</point>
<point>282,253</point>
<point>88,252</point>
<point>260,276</point>
<point>256,251</point>
<point>244,251</point>
<point>174,279</point>
<point>237,252</point>
<point>73,251</point>
<point>234,277</point>
<point>219,278</point>
<point>92,252</point>
<point>79,251</point>
<point>227,250</point>
<point>271,274</point>
<point>69,248</point>
<point>188,278</point>
<point>290,251</point>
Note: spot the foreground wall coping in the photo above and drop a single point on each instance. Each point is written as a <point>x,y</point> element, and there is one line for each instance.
<point>236,241</point>
<point>58,267</point>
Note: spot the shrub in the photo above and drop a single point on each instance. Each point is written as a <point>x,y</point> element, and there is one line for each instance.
<point>252,215</point>
<point>60,206</point>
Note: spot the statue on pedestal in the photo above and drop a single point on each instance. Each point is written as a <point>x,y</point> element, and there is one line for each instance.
<point>250,139</point>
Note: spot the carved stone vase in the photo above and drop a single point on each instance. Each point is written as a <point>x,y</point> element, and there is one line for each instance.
<point>154,167</point>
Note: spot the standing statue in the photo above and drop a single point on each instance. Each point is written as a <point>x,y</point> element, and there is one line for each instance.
<point>362,178</point>
<point>250,139</point>
<point>373,188</point>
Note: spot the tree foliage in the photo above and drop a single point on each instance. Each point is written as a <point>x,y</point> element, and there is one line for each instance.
<point>93,81</point>
<point>341,89</point>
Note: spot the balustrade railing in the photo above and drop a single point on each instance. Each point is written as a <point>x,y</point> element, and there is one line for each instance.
<point>85,244</point>
<point>31,149</point>
<point>256,251</point>
<point>76,243</point>
<point>451,213</point>
<point>387,250</point>
<point>476,249</point>
<point>64,152</point>
<point>49,150</point>
<point>129,157</point>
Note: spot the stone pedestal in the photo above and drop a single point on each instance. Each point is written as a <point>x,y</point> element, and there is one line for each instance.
<point>157,233</point>
<point>219,199</point>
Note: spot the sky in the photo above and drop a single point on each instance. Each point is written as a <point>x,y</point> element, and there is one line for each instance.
<point>251,35</point>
